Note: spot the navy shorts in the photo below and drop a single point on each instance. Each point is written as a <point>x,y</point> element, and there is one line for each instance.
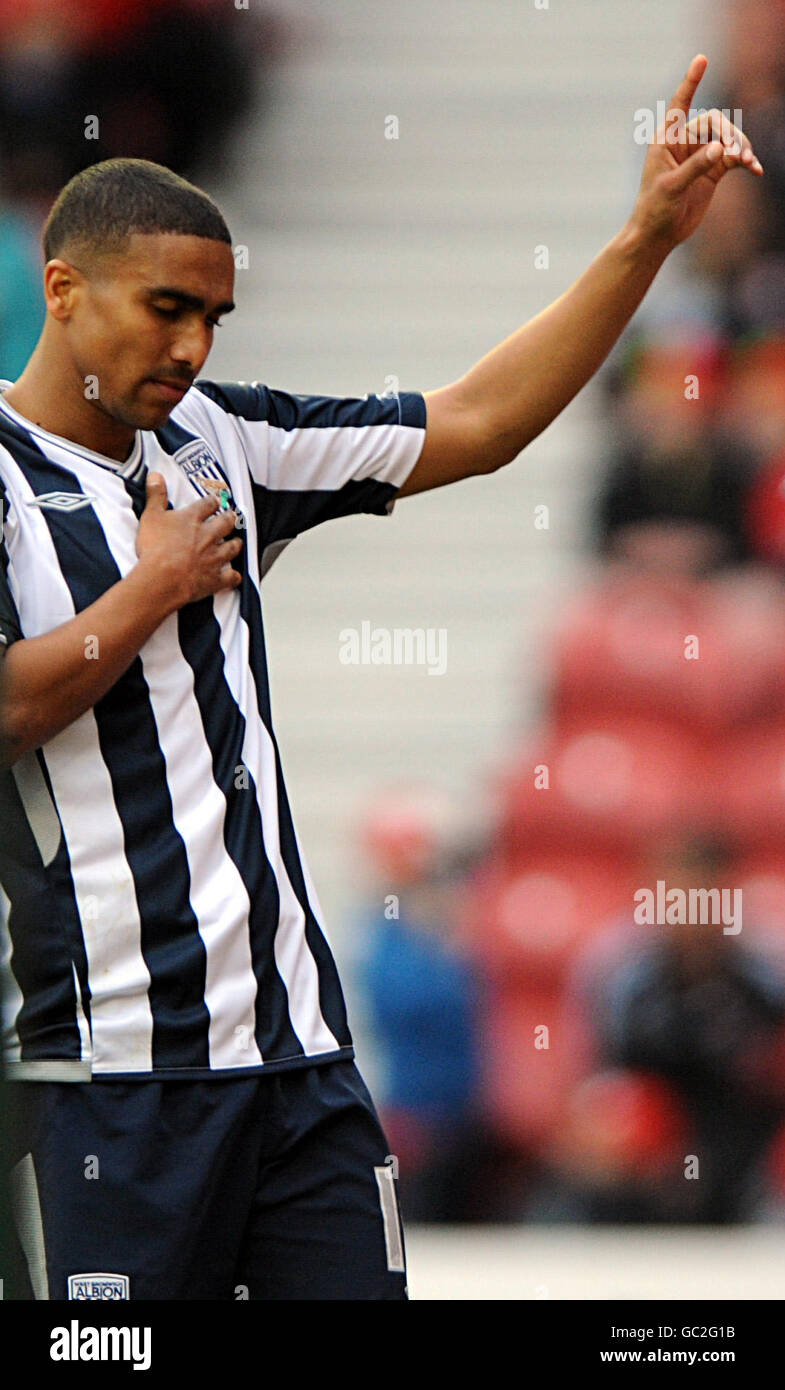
<point>270,1187</point>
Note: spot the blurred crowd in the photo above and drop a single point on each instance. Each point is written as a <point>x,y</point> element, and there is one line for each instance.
<point>583,1018</point>
<point>86,80</point>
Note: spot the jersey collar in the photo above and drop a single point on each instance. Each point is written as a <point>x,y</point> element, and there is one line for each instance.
<point>129,468</point>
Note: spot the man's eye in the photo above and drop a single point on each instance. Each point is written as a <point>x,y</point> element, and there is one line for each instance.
<point>175,313</point>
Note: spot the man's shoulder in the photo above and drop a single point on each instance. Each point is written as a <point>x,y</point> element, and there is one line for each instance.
<point>293,411</point>
<point>240,399</point>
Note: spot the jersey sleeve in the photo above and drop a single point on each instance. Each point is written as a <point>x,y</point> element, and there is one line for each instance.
<point>10,630</point>
<point>315,458</point>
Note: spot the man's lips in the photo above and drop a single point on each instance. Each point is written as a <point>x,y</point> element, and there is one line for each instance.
<point>172,390</point>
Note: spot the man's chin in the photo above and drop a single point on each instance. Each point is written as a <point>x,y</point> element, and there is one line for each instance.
<point>148,415</point>
<point>152,417</point>
<point>136,414</point>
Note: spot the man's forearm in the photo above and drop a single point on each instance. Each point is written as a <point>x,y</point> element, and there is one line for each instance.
<point>525,382</point>
<point>49,681</point>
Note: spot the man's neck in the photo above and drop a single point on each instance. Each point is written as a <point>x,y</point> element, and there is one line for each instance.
<point>52,397</point>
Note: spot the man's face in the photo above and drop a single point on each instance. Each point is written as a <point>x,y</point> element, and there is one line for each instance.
<point>142,323</point>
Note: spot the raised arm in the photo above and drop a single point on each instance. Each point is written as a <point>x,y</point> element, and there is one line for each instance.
<point>486,418</point>
<point>46,682</point>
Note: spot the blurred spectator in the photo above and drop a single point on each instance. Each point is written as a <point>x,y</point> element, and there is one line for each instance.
<point>160,79</point>
<point>753,417</point>
<point>755,62</point>
<point>671,468</point>
<point>703,1012</point>
<point>674,484</point>
<point>614,1159</point>
<point>764,122</point>
<point>765,512</point>
<point>422,996</point>
<point>738,253</point>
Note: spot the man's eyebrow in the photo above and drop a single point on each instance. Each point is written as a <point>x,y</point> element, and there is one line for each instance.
<point>188,301</point>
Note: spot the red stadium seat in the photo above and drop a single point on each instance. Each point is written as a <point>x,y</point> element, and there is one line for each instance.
<point>748,787</point>
<point>526,1086</point>
<point>526,923</point>
<point>605,784</point>
<point>747,610</point>
<point>761,878</point>
<point>624,1123</point>
<point>765,511</point>
<point>623,651</point>
<point>537,1103</point>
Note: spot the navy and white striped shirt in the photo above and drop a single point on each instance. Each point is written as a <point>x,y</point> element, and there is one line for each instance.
<point>161,917</point>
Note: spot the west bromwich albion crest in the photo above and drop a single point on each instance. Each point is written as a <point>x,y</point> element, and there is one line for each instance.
<point>203,471</point>
<point>98,1286</point>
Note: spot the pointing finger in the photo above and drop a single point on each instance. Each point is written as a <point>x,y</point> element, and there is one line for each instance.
<point>687,88</point>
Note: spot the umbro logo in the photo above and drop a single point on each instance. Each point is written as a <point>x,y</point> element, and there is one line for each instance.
<point>61,501</point>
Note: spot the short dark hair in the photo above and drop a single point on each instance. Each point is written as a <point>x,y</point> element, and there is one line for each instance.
<point>106,203</point>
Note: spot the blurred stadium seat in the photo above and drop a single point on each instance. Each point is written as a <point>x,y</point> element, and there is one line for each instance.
<point>611,784</point>
<point>747,784</point>
<point>525,925</point>
<point>624,651</point>
<point>526,1087</point>
<point>760,875</point>
<point>527,920</point>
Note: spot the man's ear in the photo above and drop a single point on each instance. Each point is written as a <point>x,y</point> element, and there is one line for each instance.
<point>62,285</point>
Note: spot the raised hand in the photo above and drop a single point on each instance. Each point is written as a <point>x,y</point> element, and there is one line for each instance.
<point>684,164</point>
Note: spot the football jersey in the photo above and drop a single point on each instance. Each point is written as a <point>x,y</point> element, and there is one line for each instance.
<point>161,918</point>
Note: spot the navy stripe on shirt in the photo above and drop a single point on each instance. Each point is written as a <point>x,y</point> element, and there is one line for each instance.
<point>170,942</point>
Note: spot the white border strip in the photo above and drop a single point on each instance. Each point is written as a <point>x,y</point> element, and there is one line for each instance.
<point>388,1201</point>
<point>29,1224</point>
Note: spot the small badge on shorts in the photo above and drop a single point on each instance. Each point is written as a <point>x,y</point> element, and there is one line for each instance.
<point>105,1286</point>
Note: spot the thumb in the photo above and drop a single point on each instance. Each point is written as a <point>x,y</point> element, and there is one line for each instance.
<point>702,162</point>
<point>156,491</point>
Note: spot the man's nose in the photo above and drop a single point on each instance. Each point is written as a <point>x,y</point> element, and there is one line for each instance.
<point>191,346</point>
